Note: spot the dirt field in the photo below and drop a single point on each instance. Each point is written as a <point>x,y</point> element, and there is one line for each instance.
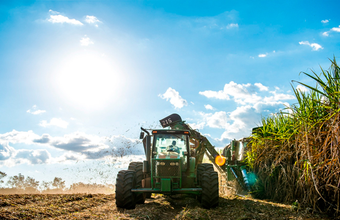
<point>102,206</point>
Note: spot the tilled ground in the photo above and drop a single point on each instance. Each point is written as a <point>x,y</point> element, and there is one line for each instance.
<point>102,206</point>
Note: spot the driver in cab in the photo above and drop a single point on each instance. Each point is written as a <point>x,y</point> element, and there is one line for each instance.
<point>173,147</point>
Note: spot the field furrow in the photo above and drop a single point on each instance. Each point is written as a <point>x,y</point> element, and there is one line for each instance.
<point>102,206</point>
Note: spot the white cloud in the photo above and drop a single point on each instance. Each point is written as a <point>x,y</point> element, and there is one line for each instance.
<point>69,156</point>
<point>95,147</point>
<point>231,89</point>
<point>217,120</point>
<point>76,142</point>
<point>44,139</point>
<point>10,156</point>
<point>92,19</point>
<point>314,46</point>
<point>6,151</point>
<point>325,21</point>
<point>35,111</point>
<point>218,95</point>
<point>77,146</point>
<point>232,25</point>
<point>197,125</point>
<point>246,93</point>
<point>18,137</point>
<point>255,100</point>
<point>85,41</point>
<point>242,93</point>
<point>53,12</point>
<point>243,119</point>
<point>336,29</point>
<point>278,97</point>
<point>54,122</point>
<point>262,55</point>
<point>33,156</point>
<point>175,99</point>
<point>302,88</point>
<point>238,123</point>
<point>209,107</point>
<point>261,87</point>
<point>63,19</point>
<point>267,107</point>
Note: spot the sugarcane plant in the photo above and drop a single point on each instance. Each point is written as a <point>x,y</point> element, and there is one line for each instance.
<point>295,153</point>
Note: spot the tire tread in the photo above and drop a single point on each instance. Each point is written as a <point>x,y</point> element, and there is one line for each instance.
<point>124,183</point>
<point>210,190</point>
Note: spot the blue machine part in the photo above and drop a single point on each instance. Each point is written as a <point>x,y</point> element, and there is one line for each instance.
<point>245,178</point>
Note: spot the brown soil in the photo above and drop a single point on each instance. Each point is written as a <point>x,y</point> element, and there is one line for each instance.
<point>102,206</point>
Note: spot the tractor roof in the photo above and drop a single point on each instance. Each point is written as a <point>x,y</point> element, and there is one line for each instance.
<point>167,131</point>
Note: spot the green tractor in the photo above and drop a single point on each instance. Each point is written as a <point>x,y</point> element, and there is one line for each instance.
<point>173,165</point>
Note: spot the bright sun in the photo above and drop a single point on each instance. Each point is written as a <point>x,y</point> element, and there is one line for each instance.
<point>88,80</point>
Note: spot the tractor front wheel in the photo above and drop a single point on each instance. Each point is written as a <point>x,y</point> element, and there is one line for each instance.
<point>210,191</point>
<point>125,181</point>
<point>138,168</point>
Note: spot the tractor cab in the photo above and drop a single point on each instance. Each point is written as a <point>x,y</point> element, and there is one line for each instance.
<point>169,158</point>
<point>168,145</point>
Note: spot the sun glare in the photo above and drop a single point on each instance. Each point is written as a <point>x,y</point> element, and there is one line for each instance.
<point>88,80</point>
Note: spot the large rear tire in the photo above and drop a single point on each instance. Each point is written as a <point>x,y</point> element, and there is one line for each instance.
<point>201,168</point>
<point>138,168</point>
<point>125,181</point>
<point>210,191</point>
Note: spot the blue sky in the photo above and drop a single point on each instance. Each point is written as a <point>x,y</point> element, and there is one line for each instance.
<point>79,78</point>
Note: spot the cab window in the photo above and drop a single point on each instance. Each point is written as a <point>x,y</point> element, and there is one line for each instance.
<point>174,144</point>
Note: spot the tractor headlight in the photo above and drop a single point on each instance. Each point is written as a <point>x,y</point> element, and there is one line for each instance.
<point>174,164</point>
